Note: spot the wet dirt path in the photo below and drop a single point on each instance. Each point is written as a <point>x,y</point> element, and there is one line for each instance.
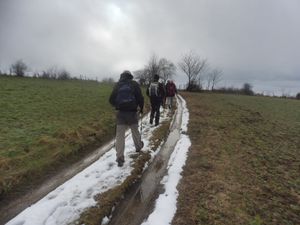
<point>13,208</point>
<point>139,201</point>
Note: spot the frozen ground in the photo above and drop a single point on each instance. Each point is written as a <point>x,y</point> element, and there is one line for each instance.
<point>165,206</point>
<point>65,203</point>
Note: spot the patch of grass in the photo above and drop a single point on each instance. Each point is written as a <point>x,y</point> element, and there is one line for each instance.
<point>243,166</point>
<point>44,123</point>
<point>256,221</point>
<point>159,135</point>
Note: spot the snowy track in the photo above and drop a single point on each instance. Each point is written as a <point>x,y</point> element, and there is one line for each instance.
<point>161,177</point>
<point>64,204</point>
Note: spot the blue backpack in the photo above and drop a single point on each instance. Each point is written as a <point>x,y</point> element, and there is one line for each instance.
<point>125,99</point>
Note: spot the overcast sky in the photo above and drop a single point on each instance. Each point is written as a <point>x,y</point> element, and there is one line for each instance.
<point>255,41</point>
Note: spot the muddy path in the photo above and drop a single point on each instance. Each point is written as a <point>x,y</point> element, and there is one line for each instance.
<point>138,203</point>
<point>13,208</point>
<point>145,192</point>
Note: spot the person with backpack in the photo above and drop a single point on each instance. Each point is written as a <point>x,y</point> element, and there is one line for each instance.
<point>171,90</point>
<point>156,93</point>
<point>127,97</point>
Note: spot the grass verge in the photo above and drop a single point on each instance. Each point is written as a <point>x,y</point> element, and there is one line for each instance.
<point>46,125</point>
<point>243,166</point>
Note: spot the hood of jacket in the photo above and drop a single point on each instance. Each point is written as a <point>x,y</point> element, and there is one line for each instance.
<point>126,75</point>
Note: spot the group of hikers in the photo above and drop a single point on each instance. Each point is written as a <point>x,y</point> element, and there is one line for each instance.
<point>128,100</point>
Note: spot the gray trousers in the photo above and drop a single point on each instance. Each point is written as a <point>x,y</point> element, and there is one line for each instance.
<point>169,102</point>
<point>127,120</point>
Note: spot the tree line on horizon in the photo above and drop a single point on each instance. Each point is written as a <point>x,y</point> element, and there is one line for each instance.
<point>197,70</point>
<point>19,69</point>
<point>200,76</point>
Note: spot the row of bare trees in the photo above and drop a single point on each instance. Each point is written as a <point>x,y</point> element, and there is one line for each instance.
<point>198,71</point>
<point>192,65</point>
<point>195,68</point>
<point>54,73</point>
<point>247,89</point>
<point>19,69</point>
<point>163,67</point>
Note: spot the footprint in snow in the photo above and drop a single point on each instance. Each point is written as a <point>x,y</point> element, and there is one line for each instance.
<point>89,192</point>
<point>110,165</point>
<point>52,197</point>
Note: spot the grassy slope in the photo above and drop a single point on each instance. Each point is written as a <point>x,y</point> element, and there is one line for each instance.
<point>244,164</point>
<point>46,121</point>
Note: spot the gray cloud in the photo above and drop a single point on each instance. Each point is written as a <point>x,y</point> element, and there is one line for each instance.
<point>253,41</point>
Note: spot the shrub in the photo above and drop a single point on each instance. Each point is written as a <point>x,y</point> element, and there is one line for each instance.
<point>247,89</point>
<point>19,68</point>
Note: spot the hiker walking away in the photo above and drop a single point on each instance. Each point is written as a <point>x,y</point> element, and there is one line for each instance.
<point>171,90</point>
<point>127,97</point>
<point>156,93</point>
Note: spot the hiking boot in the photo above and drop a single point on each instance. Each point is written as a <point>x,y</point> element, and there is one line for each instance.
<point>138,150</point>
<point>120,162</point>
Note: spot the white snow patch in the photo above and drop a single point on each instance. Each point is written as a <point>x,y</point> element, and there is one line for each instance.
<point>65,204</point>
<point>165,206</point>
<point>105,221</point>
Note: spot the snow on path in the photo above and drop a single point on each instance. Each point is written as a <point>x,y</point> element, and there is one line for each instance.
<point>68,201</point>
<point>165,206</point>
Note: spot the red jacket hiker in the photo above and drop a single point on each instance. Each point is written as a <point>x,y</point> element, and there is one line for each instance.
<point>171,89</point>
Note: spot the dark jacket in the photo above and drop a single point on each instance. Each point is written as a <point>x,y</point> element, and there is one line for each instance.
<point>136,89</point>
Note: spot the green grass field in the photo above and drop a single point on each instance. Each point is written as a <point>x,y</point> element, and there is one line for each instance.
<point>242,168</point>
<point>44,122</point>
<point>244,163</point>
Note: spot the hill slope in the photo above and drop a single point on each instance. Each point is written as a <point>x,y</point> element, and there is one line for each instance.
<point>243,167</point>
<point>45,124</point>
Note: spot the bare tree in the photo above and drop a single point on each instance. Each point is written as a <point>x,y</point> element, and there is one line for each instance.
<point>19,68</point>
<point>63,75</point>
<point>191,64</point>
<point>151,69</point>
<point>153,65</point>
<point>247,89</point>
<point>215,77</point>
<point>50,73</point>
<point>167,69</point>
<point>55,73</point>
<point>285,94</point>
<point>163,67</point>
<point>142,76</point>
<point>208,81</point>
